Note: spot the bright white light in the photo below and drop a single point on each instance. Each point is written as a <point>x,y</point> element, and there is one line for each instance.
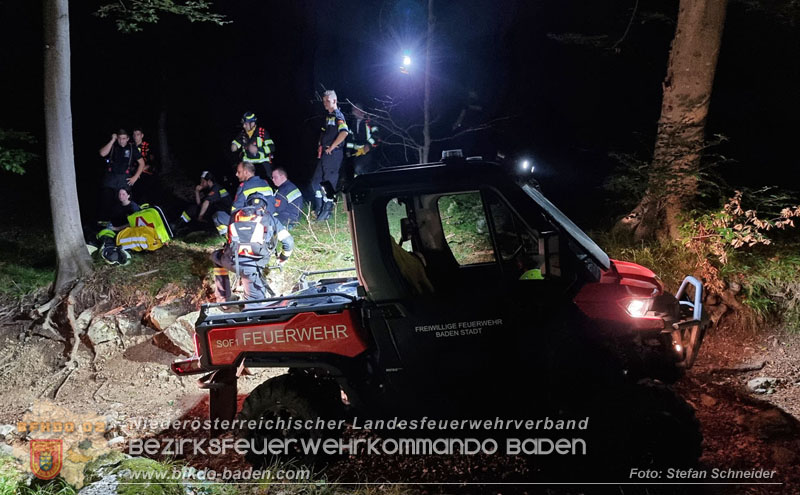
<point>406,60</point>
<point>525,164</point>
<point>637,308</point>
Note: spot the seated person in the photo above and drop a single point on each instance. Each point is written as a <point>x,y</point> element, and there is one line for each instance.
<point>413,270</point>
<point>119,218</point>
<point>288,198</point>
<point>103,234</point>
<point>209,198</point>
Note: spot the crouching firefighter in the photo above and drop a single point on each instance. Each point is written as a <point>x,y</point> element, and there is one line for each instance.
<point>253,235</point>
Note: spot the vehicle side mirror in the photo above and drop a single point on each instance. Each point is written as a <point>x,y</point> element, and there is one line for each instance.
<point>549,250</point>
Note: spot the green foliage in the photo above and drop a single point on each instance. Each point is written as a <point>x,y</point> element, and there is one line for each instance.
<point>15,481</point>
<point>633,176</point>
<point>669,260</point>
<point>131,15</point>
<point>13,156</point>
<point>27,259</point>
<point>10,477</point>
<point>465,229</point>
<point>770,280</point>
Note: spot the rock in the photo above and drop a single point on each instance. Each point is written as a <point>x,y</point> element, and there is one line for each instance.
<point>161,317</point>
<point>708,401</point>
<point>5,430</point>
<point>712,300</point>
<point>129,326</point>
<point>102,466</point>
<point>734,287</point>
<point>783,456</point>
<point>772,423</point>
<point>106,485</point>
<point>102,330</point>
<point>84,319</point>
<point>178,338</point>
<point>6,450</point>
<point>116,441</point>
<point>762,384</point>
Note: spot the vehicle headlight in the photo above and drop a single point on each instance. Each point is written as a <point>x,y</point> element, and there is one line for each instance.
<point>638,308</point>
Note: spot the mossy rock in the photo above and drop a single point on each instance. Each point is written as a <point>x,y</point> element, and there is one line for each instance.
<point>103,465</point>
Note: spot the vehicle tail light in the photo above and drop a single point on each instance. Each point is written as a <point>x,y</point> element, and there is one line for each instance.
<point>189,366</point>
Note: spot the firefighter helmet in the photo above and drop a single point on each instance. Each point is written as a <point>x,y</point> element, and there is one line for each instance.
<point>257,201</point>
<point>249,117</point>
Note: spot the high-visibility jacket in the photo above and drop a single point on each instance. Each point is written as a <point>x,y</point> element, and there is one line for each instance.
<point>254,184</point>
<point>138,239</point>
<point>288,203</point>
<point>362,133</point>
<point>264,144</point>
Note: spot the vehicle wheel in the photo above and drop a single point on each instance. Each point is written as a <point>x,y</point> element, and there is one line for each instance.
<point>295,397</point>
<point>663,429</point>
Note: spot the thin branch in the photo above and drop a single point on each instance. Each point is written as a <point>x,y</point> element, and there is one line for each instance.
<point>628,28</point>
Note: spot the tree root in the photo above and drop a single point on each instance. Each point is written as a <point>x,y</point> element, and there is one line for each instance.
<point>60,322</point>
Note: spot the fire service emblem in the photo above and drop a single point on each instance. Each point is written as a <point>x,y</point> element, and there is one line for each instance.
<point>46,458</point>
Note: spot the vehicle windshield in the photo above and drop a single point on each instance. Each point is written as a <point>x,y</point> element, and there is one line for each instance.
<point>576,234</point>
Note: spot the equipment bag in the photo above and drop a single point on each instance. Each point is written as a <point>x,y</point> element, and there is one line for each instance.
<point>247,235</point>
<point>153,217</point>
<point>138,239</point>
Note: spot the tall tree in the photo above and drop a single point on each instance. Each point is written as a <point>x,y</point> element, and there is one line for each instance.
<point>681,127</point>
<point>426,126</point>
<point>73,258</point>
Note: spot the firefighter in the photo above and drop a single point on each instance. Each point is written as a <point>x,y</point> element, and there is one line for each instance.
<point>255,144</point>
<point>362,142</point>
<point>288,198</point>
<point>330,153</point>
<point>250,183</point>
<point>209,198</point>
<point>146,188</point>
<point>253,235</point>
<point>122,158</point>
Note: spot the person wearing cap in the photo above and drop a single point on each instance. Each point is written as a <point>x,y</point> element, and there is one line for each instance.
<point>330,153</point>
<point>209,198</point>
<point>249,184</point>
<point>288,198</point>
<point>255,144</point>
<point>122,158</point>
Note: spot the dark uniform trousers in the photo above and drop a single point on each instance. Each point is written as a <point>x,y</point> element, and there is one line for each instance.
<point>249,272</point>
<point>327,172</point>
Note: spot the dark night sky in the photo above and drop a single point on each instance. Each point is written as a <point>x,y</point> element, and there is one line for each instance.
<point>570,104</point>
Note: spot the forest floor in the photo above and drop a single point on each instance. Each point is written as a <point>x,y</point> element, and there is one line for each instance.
<point>741,429</point>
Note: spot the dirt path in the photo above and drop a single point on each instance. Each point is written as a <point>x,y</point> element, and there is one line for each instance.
<point>742,430</point>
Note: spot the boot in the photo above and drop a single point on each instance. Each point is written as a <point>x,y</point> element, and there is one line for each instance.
<point>327,210</point>
<point>317,207</point>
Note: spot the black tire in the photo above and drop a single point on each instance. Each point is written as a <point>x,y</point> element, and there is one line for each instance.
<point>663,428</point>
<point>295,396</point>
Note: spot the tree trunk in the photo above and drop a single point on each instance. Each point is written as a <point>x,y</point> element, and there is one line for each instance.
<point>426,128</point>
<point>684,108</point>
<point>73,258</point>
